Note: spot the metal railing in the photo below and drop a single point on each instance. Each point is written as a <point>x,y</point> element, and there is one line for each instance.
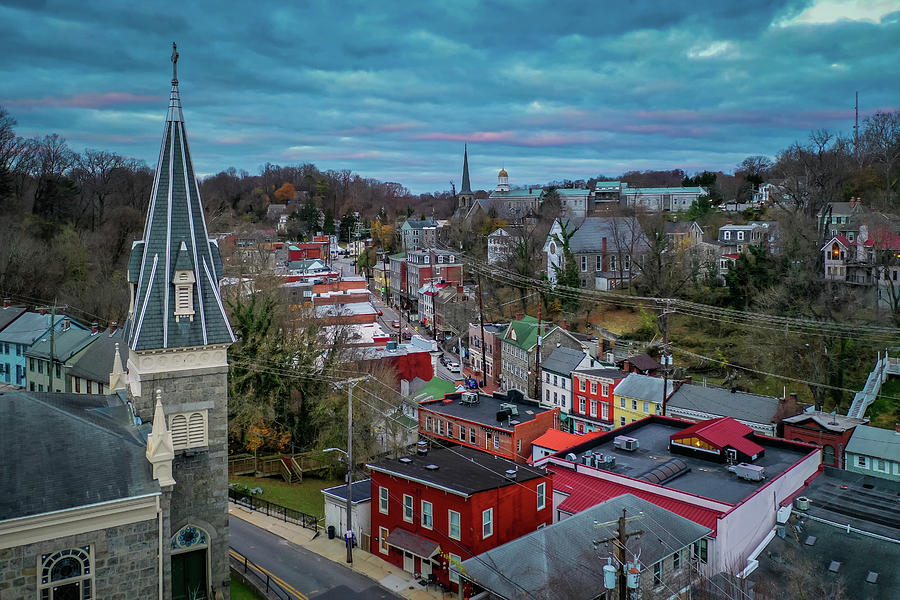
<point>289,515</point>
<point>261,577</point>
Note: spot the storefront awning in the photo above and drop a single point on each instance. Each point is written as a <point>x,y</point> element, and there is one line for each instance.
<point>410,542</point>
<point>563,416</point>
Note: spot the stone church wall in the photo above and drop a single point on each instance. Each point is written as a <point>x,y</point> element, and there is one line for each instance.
<point>125,562</point>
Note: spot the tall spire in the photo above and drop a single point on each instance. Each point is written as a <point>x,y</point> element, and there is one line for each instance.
<point>466,187</point>
<point>175,235</point>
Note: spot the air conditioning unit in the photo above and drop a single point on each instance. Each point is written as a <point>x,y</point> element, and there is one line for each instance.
<point>624,442</point>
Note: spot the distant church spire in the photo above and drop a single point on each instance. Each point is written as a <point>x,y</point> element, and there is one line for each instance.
<point>174,271</point>
<point>466,186</point>
<point>466,197</point>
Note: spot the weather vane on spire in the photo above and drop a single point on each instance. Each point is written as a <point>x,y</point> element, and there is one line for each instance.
<point>174,62</point>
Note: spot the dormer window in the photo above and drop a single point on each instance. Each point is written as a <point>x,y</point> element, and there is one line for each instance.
<point>184,294</point>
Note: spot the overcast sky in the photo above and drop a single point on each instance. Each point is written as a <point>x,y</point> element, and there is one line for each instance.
<point>392,90</point>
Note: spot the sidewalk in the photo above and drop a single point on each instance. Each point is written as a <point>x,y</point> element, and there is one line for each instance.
<point>385,574</point>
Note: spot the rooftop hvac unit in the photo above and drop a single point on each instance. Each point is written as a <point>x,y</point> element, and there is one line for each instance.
<point>802,503</point>
<point>748,471</point>
<point>512,408</point>
<point>624,442</point>
<point>511,474</point>
<point>571,457</point>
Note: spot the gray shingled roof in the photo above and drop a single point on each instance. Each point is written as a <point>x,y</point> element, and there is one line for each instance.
<point>642,387</point>
<point>563,360</point>
<point>874,441</point>
<point>62,451</point>
<point>720,402</point>
<point>621,233</point>
<point>66,344</point>
<point>8,314</point>
<point>175,217</point>
<point>539,566</point>
<point>29,327</point>
<point>97,361</point>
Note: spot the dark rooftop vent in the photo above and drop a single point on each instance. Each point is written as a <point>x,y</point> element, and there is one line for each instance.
<point>811,540</point>
<point>872,577</point>
<point>432,467</point>
<point>422,448</point>
<point>511,473</point>
<point>405,459</point>
<point>834,566</point>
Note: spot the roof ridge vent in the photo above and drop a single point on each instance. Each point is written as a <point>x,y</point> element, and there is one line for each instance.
<point>432,467</point>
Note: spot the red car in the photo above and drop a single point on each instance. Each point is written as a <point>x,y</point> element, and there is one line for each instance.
<point>380,313</point>
<point>407,335</point>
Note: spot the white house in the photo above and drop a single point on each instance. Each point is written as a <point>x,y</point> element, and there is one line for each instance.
<point>500,244</point>
<point>556,375</point>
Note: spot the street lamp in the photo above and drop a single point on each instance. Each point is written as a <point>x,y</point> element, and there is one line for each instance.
<point>348,535</point>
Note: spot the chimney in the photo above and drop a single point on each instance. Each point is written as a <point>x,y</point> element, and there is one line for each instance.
<point>42,310</point>
<point>422,448</point>
<point>67,322</point>
<point>897,428</point>
<point>6,303</point>
<point>565,324</point>
<point>520,316</point>
<point>95,328</point>
<point>113,327</point>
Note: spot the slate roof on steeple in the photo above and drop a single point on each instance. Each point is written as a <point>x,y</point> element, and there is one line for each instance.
<point>466,186</point>
<point>175,237</point>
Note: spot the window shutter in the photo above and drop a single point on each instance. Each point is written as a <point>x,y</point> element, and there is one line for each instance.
<point>179,429</point>
<point>196,430</point>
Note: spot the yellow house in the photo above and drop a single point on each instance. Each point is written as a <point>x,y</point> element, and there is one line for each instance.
<point>638,396</point>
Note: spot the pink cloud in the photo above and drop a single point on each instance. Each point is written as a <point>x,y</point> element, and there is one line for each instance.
<point>484,137</point>
<point>352,156</point>
<point>385,128</point>
<point>84,100</point>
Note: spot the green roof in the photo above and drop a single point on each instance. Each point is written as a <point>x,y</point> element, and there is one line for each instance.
<point>438,388</point>
<point>398,256</point>
<point>523,332</point>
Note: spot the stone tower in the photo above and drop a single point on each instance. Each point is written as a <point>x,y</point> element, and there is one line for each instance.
<point>466,197</point>
<point>178,335</point>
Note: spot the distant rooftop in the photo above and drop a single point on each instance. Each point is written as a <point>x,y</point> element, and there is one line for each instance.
<point>485,411</point>
<point>361,491</point>
<point>830,421</point>
<point>703,477</point>
<point>723,402</point>
<point>874,441</point>
<point>864,502</point>
<point>460,470</point>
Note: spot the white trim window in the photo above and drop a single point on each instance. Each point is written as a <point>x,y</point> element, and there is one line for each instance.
<point>383,496</point>
<point>383,533</point>
<point>453,525</point>
<point>604,390</point>
<point>487,523</point>
<point>541,496</point>
<point>188,429</point>
<point>66,574</point>
<point>427,515</point>
<point>593,407</point>
<point>452,568</point>
<point>408,512</point>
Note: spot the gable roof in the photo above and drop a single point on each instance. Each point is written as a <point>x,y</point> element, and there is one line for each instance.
<point>523,332</point>
<point>106,463</point>
<point>643,362</point>
<point>533,566</point>
<point>66,344</point>
<point>8,314</point>
<point>642,387</point>
<point>830,421</point>
<point>621,233</point>
<point>721,433</point>
<point>422,224</point>
<point>29,327</point>
<point>720,402</point>
<point>557,440</point>
<point>563,360</point>
<point>874,441</point>
<point>97,361</point>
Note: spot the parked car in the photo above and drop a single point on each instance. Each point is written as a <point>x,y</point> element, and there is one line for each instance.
<point>454,367</point>
<point>395,323</point>
<point>407,335</point>
<point>380,313</point>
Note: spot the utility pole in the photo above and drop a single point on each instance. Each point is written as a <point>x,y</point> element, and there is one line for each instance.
<point>537,357</point>
<point>481,318</point>
<point>348,535</point>
<point>52,345</point>
<point>619,540</point>
<point>665,356</point>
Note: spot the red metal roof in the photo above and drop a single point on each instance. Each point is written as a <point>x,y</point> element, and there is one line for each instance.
<point>586,491</point>
<point>557,440</point>
<point>720,433</point>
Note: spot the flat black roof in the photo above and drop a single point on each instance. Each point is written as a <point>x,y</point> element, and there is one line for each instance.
<point>485,411</point>
<point>868,503</point>
<point>705,478</point>
<point>361,491</point>
<point>462,470</point>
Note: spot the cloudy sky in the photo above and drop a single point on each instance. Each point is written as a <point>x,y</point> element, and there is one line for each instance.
<point>547,89</point>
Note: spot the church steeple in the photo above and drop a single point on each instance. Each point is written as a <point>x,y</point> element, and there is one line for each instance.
<point>466,197</point>
<point>466,186</point>
<point>175,264</point>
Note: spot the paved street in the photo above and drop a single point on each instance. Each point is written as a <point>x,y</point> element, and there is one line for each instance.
<point>304,570</point>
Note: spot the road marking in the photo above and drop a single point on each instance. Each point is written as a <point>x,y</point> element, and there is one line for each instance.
<point>275,578</point>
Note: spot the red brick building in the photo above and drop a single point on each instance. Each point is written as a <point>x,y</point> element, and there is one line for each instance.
<point>431,512</point>
<point>308,250</point>
<point>593,408</point>
<point>828,431</point>
<point>493,334</point>
<point>495,424</point>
